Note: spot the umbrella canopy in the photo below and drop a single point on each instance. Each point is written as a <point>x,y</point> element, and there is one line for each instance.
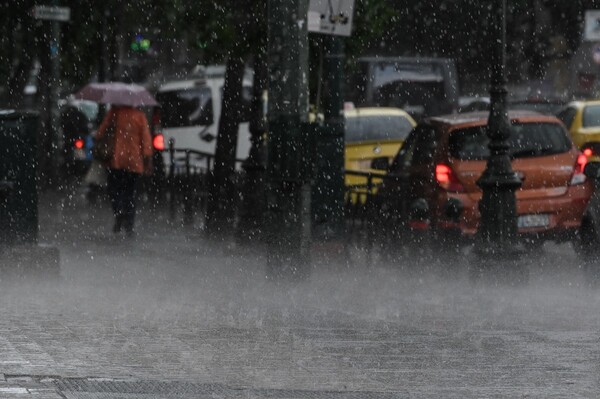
<point>117,93</point>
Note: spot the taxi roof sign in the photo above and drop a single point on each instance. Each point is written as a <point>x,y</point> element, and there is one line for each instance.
<point>332,17</point>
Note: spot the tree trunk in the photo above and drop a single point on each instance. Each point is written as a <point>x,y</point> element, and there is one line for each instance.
<point>220,213</point>
<point>221,202</point>
<point>254,202</point>
<point>253,206</point>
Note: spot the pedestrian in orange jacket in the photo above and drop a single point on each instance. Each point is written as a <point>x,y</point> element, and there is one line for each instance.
<point>131,158</point>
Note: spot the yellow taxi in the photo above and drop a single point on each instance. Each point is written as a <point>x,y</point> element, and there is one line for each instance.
<point>373,137</point>
<point>582,119</point>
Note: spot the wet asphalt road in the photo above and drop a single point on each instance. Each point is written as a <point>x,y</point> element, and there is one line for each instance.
<point>173,314</point>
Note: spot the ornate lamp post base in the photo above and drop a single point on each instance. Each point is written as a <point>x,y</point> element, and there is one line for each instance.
<point>497,234</point>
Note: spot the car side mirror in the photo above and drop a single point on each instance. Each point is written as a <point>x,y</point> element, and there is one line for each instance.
<point>380,163</point>
<point>591,170</point>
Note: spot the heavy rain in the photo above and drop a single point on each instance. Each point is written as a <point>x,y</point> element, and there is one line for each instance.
<point>299,199</point>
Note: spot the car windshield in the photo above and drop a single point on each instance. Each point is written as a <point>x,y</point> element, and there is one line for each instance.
<point>90,109</point>
<point>377,127</point>
<point>181,108</point>
<point>526,140</point>
<point>591,116</point>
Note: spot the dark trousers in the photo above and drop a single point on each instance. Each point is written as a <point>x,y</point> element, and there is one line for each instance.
<point>122,191</point>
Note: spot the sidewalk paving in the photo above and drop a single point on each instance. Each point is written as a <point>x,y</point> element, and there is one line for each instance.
<point>173,314</point>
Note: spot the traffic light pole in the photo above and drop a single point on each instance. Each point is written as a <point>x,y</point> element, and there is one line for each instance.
<point>56,141</point>
<point>498,227</point>
<point>288,105</point>
<point>328,187</point>
<point>102,56</point>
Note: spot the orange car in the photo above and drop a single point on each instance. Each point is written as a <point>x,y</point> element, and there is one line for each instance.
<point>438,166</point>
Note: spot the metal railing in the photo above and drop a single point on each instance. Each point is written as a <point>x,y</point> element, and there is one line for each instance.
<point>362,209</point>
<point>360,200</point>
<point>189,174</point>
<point>377,212</point>
<point>188,181</point>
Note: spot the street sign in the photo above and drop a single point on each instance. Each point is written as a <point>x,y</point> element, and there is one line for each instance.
<point>52,13</point>
<point>592,25</point>
<point>332,17</point>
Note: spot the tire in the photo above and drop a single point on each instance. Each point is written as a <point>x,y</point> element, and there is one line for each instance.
<point>586,245</point>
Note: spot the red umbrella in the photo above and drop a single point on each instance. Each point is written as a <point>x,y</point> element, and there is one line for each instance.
<point>117,93</point>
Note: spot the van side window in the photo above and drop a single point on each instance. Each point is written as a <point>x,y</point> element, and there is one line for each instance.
<point>188,107</point>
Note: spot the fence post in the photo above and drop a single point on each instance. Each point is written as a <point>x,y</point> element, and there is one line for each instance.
<point>171,179</point>
<point>188,212</point>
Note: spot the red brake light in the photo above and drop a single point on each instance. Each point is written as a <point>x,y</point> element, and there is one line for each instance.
<point>447,179</point>
<point>159,142</point>
<point>442,173</point>
<point>588,152</point>
<point>578,176</point>
<point>581,162</point>
<point>79,143</point>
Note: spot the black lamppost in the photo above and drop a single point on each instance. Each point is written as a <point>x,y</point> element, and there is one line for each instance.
<point>288,194</point>
<point>498,226</point>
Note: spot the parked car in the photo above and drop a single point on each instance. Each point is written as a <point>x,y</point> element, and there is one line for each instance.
<point>443,157</point>
<point>373,137</point>
<point>77,120</point>
<point>420,86</point>
<point>582,119</point>
<point>191,109</point>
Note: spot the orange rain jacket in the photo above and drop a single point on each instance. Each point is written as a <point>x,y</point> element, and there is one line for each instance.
<point>132,138</point>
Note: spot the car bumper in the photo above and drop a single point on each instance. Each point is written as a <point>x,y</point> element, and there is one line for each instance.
<point>564,213</point>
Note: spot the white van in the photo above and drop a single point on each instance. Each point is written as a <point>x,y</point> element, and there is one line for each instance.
<point>191,108</point>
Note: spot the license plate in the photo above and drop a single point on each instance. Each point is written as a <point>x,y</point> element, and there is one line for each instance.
<point>533,220</point>
<point>79,154</point>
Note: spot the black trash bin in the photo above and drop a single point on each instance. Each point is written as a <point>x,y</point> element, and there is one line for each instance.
<point>18,168</point>
<point>19,225</point>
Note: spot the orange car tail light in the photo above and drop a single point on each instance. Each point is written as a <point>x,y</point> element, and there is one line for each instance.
<point>578,176</point>
<point>446,178</point>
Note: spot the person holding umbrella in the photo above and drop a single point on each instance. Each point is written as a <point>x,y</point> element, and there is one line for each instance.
<point>130,153</point>
<point>132,156</point>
